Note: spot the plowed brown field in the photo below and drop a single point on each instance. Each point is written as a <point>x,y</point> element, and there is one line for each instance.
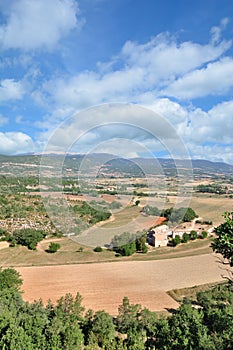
<point>104,285</point>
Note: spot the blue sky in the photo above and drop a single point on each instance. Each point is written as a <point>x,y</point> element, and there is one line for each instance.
<point>59,57</point>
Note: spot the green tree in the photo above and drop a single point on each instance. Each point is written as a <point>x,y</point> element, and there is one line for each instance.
<point>128,322</point>
<point>193,235</point>
<point>188,331</point>
<point>64,331</point>
<point>189,215</point>
<point>102,329</point>
<point>141,244</point>
<point>15,338</point>
<point>10,278</point>
<point>204,234</point>
<point>127,249</point>
<point>176,240</point>
<point>28,237</point>
<point>185,237</point>
<point>149,210</point>
<point>148,322</point>
<point>223,243</point>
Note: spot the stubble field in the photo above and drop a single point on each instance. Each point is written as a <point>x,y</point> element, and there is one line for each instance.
<point>104,285</point>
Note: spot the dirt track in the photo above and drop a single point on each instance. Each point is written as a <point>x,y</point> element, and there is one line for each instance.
<point>104,285</point>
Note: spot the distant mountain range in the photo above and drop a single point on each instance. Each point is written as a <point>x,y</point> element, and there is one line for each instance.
<point>108,164</point>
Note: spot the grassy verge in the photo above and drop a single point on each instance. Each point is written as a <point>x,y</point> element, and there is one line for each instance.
<point>73,253</point>
<point>191,293</point>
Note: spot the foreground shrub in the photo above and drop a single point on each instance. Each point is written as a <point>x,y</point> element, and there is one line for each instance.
<point>53,247</point>
<point>98,249</point>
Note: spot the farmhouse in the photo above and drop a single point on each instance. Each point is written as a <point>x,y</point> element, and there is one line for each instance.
<point>158,236</point>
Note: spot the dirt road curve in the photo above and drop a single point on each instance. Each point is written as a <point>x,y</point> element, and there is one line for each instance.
<point>104,285</point>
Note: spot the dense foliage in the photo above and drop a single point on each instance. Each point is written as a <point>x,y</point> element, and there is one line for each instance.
<point>28,237</point>
<point>171,214</point>
<point>93,214</point>
<point>178,215</point>
<point>212,188</point>
<point>149,210</point>
<point>223,243</point>
<point>127,244</point>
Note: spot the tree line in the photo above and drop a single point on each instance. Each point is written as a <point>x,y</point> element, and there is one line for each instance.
<point>171,214</point>
<point>212,188</point>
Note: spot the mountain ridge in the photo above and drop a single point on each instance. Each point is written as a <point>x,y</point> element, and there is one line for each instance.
<point>114,163</point>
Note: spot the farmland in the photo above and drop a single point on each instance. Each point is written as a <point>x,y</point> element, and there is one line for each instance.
<point>104,206</point>
<point>103,286</point>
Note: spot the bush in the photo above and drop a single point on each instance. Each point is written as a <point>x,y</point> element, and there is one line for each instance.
<point>204,234</point>
<point>185,238</point>
<point>98,249</point>
<point>176,241</point>
<point>53,247</point>
<point>144,249</point>
<point>126,249</point>
<point>193,235</point>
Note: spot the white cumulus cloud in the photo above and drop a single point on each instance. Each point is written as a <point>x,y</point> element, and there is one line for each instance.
<point>140,73</point>
<point>216,79</point>
<point>15,143</point>
<point>35,24</point>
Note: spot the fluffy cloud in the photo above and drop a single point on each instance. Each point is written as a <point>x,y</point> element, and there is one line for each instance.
<point>140,73</point>
<point>164,58</point>
<point>34,24</point>
<point>147,74</point>
<point>15,143</point>
<point>11,90</point>
<point>214,126</point>
<point>216,79</point>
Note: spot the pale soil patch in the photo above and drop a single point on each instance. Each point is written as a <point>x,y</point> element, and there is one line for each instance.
<point>4,245</point>
<point>104,285</point>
